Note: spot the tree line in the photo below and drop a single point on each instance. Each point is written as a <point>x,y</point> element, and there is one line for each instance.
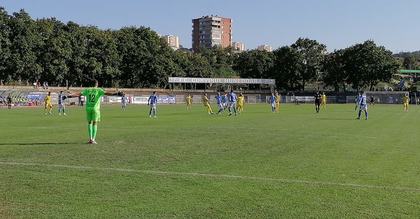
<point>50,50</point>
<point>409,60</point>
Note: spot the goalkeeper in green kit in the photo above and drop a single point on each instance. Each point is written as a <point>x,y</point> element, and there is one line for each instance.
<point>93,105</point>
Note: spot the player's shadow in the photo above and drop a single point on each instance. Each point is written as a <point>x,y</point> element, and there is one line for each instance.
<point>38,143</point>
<point>336,119</point>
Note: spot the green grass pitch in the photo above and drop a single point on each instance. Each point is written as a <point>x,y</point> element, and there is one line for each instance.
<point>294,164</point>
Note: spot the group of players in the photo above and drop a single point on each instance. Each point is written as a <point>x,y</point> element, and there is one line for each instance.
<point>320,100</point>
<point>361,103</point>
<point>230,101</point>
<point>61,104</point>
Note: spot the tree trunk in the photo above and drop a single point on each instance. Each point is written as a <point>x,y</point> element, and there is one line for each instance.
<point>303,84</point>
<point>337,88</point>
<point>372,84</point>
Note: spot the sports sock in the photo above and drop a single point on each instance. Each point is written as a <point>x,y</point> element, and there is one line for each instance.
<point>90,131</point>
<point>360,112</point>
<point>95,130</point>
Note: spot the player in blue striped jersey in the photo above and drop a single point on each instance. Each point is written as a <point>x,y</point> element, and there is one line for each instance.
<point>224,101</point>
<point>152,102</point>
<point>363,105</point>
<point>272,101</point>
<point>123,101</point>
<point>61,103</point>
<point>232,102</point>
<point>219,102</point>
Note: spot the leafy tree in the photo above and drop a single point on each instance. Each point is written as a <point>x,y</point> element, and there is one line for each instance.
<point>220,59</point>
<point>192,64</point>
<point>77,38</point>
<point>410,62</point>
<point>254,64</point>
<point>287,68</point>
<point>415,54</point>
<point>4,44</point>
<point>334,73</point>
<point>311,54</point>
<point>49,50</point>
<point>55,51</point>
<point>102,55</point>
<point>367,64</point>
<point>199,67</point>
<point>146,60</point>
<point>25,47</point>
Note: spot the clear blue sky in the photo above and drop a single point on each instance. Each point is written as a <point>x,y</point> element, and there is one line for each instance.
<point>336,23</point>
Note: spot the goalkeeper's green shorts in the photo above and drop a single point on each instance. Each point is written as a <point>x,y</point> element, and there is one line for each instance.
<point>93,115</point>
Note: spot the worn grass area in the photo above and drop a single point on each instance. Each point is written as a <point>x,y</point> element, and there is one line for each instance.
<point>294,164</point>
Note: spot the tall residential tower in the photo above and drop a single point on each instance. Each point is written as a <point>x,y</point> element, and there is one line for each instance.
<point>173,41</point>
<point>210,31</point>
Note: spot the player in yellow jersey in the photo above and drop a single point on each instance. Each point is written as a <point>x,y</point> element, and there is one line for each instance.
<point>323,100</point>
<point>48,104</point>
<point>241,101</point>
<point>206,103</point>
<point>188,100</point>
<point>406,101</point>
<point>278,100</point>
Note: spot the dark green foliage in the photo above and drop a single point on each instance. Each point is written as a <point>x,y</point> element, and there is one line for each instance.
<point>4,43</point>
<point>69,54</point>
<point>367,64</point>
<point>25,47</point>
<point>310,55</point>
<point>411,62</point>
<point>287,68</point>
<point>254,64</point>
<point>334,74</point>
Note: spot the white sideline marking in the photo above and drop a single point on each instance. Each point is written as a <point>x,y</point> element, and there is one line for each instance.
<point>210,175</point>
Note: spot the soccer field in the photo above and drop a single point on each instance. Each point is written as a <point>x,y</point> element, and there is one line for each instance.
<point>293,164</point>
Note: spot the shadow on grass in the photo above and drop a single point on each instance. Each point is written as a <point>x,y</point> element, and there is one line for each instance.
<point>337,119</point>
<point>38,143</point>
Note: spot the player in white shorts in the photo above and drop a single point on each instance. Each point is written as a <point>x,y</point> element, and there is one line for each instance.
<point>123,102</point>
<point>363,106</point>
